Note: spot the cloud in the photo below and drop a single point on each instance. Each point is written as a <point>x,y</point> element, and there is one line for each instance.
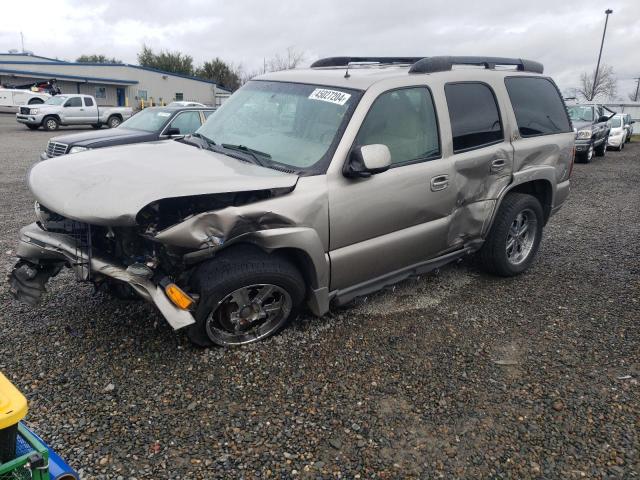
<point>564,36</point>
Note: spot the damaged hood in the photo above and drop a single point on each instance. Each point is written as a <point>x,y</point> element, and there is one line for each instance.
<point>109,187</point>
<point>95,138</point>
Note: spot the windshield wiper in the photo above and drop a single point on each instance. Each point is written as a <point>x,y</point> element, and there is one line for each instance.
<point>255,154</point>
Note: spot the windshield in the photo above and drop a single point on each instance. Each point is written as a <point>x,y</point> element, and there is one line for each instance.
<point>57,100</point>
<point>581,113</point>
<point>149,120</point>
<point>616,122</point>
<point>292,124</point>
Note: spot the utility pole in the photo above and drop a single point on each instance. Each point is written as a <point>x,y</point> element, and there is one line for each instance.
<point>608,11</point>
<point>637,88</point>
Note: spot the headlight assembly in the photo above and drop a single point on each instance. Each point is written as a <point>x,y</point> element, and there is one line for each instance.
<point>78,149</point>
<point>33,111</point>
<point>584,134</point>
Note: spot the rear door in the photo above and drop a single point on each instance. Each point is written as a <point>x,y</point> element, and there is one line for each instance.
<point>481,153</point>
<point>89,113</point>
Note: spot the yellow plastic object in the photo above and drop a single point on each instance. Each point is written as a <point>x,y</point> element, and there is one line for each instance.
<point>178,297</point>
<point>13,405</point>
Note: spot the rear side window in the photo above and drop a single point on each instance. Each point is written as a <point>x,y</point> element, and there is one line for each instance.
<point>88,102</point>
<point>474,115</point>
<point>538,107</point>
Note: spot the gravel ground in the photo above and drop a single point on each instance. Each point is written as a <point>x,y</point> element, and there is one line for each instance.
<point>455,374</point>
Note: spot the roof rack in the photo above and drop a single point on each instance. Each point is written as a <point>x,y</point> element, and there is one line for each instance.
<point>345,61</point>
<point>433,64</point>
<point>442,64</point>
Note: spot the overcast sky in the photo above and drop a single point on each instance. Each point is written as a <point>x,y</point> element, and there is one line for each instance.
<point>563,34</point>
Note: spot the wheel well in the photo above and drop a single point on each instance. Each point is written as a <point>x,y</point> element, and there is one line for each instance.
<point>51,115</point>
<point>542,190</point>
<point>34,101</point>
<point>117,115</point>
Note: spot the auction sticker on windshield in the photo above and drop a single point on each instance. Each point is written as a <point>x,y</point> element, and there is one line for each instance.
<point>332,96</point>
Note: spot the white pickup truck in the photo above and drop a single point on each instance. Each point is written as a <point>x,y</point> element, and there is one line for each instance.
<point>12,98</point>
<point>70,109</point>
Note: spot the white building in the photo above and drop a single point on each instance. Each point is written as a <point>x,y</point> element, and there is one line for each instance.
<point>111,84</point>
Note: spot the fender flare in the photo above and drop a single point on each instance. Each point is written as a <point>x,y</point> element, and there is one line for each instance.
<point>545,173</point>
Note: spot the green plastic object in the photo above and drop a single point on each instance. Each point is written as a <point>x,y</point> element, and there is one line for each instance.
<point>31,462</point>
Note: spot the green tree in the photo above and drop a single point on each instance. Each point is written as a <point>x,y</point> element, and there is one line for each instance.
<point>97,58</point>
<point>174,62</point>
<point>221,72</point>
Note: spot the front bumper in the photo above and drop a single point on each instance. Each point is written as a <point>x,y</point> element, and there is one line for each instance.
<point>29,119</point>
<point>40,247</point>
<point>582,146</point>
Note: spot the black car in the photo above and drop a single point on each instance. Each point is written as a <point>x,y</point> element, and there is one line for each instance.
<point>154,123</point>
<point>592,131</point>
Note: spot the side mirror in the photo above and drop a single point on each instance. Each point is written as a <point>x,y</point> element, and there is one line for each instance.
<point>367,160</point>
<point>172,131</point>
<point>603,118</point>
<point>632,121</point>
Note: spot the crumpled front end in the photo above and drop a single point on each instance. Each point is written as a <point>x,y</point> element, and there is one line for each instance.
<point>42,254</point>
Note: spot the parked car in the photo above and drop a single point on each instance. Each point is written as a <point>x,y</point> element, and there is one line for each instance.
<point>74,109</point>
<point>150,124</point>
<point>590,121</point>
<point>618,133</point>
<point>628,125</point>
<point>12,98</point>
<point>181,103</point>
<point>311,187</point>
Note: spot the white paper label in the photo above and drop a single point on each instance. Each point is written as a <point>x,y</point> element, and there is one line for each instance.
<point>331,96</point>
<point>164,114</point>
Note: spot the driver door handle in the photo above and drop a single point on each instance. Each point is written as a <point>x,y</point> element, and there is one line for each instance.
<point>439,182</point>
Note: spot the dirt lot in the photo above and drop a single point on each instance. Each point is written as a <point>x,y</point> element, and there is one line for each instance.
<point>456,374</point>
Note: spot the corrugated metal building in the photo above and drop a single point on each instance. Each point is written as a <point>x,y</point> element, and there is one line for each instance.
<point>111,84</point>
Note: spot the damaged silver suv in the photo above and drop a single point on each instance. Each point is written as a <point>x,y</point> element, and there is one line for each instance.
<point>310,187</point>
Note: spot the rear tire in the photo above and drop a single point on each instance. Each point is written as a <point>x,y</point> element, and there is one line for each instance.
<point>33,127</point>
<point>50,124</point>
<point>515,236</point>
<point>245,295</point>
<point>114,121</point>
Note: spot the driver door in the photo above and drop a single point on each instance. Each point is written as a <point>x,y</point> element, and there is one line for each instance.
<point>400,217</point>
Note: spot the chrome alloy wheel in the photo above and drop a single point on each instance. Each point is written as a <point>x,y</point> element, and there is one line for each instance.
<point>248,314</point>
<point>521,236</point>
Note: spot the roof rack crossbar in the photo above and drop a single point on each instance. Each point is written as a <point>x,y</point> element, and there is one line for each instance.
<point>345,61</point>
<point>442,64</point>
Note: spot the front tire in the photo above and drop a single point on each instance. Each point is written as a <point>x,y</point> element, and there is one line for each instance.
<point>515,236</point>
<point>51,124</point>
<point>601,150</point>
<point>245,295</point>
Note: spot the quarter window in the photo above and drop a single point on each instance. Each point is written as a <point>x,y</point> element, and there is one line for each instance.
<point>474,115</point>
<point>405,121</point>
<point>88,102</point>
<point>538,106</point>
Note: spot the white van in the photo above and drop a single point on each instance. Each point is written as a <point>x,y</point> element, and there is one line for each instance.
<point>12,98</point>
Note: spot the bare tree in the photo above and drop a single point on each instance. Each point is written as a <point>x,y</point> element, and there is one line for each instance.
<point>292,58</point>
<point>605,87</point>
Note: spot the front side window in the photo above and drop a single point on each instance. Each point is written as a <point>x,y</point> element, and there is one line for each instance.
<point>474,115</point>
<point>149,120</point>
<point>187,122</point>
<point>74,102</point>
<point>292,124</point>
<point>537,105</point>
<point>405,121</point>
